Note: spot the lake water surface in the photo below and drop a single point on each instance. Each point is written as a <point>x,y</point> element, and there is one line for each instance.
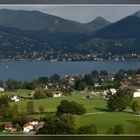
<point>26,70</point>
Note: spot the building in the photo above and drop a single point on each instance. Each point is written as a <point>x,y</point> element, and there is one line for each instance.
<point>33,126</point>
<point>15,98</point>
<point>136,93</point>
<point>1,89</point>
<point>57,93</point>
<point>8,126</point>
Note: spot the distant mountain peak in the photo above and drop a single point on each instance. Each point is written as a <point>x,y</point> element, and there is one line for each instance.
<point>137,14</point>
<point>99,18</point>
<point>98,23</point>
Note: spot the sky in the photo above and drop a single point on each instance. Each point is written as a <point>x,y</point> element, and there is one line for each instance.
<point>81,13</point>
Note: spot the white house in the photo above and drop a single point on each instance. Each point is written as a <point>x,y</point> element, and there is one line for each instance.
<point>15,98</point>
<point>136,93</point>
<point>57,93</point>
<point>1,89</point>
<point>33,126</point>
<point>112,91</point>
<point>28,128</point>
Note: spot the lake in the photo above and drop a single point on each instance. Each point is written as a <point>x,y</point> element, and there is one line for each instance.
<point>27,70</point>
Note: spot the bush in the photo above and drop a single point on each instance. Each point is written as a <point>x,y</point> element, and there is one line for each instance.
<point>136,106</point>
<point>88,129</point>
<point>118,129</point>
<point>39,94</point>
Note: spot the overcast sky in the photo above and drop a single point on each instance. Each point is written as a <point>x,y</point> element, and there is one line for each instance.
<point>81,13</point>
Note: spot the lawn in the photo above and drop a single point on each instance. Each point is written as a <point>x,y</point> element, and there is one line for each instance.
<point>50,104</point>
<point>18,92</point>
<point>107,120</point>
<point>96,112</point>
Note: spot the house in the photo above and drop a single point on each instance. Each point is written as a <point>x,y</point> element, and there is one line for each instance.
<point>8,126</point>
<point>28,128</point>
<point>57,93</point>
<point>109,78</point>
<point>110,91</point>
<point>33,126</point>
<point>1,89</point>
<point>136,93</point>
<point>70,80</point>
<point>42,87</point>
<point>15,98</point>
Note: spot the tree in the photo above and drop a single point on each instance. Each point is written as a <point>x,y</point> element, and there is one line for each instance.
<point>12,84</point>
<point>95,73</point>
<point>62,125</point>
<point>110,131</point>
<point>30,107</point>
<point>39,94</point>
<point>4,101</point>
<point>2,127</point>
<point>1,84</point>
<point>43,80</point>
<point>89,79</point>
<point>70,107</point>
<point>103,72</point>
<point>136,106</point>
<point>120,75</point>
<point>118,129</point>
<point>80,85</point>
<point>49,126</point>
<point>14,111</point>
<point>65,124</point>
<point>41,109</point>
<point>55,78</point>
<point>119,101</point>
<point>88,129</point>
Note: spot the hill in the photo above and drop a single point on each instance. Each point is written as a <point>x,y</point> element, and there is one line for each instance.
<point>98,23</point>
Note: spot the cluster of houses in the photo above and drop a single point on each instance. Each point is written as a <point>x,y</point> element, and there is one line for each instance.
<point>132,83</point>
<point>31,127</point>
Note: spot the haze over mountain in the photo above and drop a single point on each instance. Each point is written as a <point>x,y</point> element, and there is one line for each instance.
<point>98,23</point>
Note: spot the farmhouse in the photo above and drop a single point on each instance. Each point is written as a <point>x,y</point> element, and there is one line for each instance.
<point>33,126</point>
<point>112,91</point>
<point>15,98</point>
<point>136,93</point>
<point>8,126</point>
<point>1,89</point>
<point>57,93</point>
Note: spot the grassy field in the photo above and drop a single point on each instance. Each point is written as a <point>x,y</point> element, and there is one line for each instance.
<point>18,92</point>
<point>108,120</point>
<point>50,104</point>
<point>96,111</point>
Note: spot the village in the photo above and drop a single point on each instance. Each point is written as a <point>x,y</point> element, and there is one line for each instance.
<point>88,88</point>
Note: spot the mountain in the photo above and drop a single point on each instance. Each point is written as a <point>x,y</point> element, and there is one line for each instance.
<point>23,32</point>
<point>33,30</point>
<point>36,20</point>
<point>128,27</point>
<point>98,23</point>
<point>121,37</point>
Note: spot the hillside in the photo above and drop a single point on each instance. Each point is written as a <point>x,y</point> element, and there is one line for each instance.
<point>98,23</point>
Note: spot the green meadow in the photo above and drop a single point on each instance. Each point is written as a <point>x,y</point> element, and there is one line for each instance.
<point>96,111</point>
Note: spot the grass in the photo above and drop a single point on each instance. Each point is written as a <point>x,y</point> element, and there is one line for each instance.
<point>50,104</point>
<point>108,120</point>
<point>18,92</point>
<point>96,112</point>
